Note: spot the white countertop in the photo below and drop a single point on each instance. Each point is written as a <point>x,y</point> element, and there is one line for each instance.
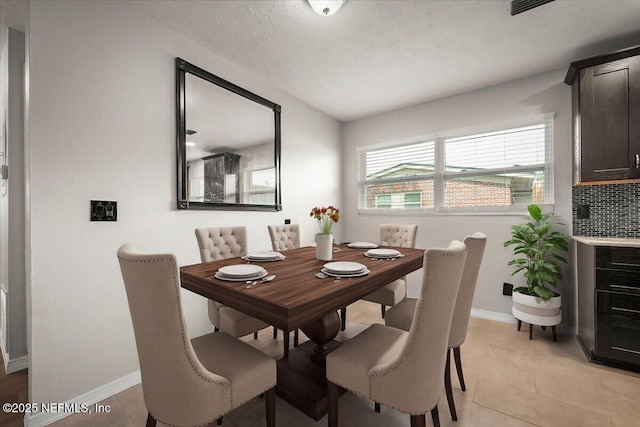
<point>608,241</point>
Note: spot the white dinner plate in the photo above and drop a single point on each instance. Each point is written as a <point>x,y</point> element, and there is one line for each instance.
<point>240,271</point>
<point>248,258</point>
<point>345,275</point>
<point>344,267</point>
<point>260,275</point>
<point>382,253</point>
<point>264,256</point>
<point>362,245</point>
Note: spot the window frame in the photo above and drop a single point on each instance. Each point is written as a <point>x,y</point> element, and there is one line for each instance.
<point>404,199</point>
<point>250,183</point>
<point>408,193</point>
<point>440,175</point>
<point>384,195</point>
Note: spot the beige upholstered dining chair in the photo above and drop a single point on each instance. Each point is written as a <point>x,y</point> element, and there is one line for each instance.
<point>402,369</point>
<point>284,237</point>
<point>401,236</point>
<point>402,314</point>
<point>187,382</point>
<point>218,243</point>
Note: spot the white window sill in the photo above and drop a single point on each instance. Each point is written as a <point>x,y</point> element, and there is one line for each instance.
<point>507,211</point>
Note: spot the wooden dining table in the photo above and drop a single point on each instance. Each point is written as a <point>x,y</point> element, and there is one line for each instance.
<point>298,299</point>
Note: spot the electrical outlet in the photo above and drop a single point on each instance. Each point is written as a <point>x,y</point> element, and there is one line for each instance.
<point>507,289</point>
<point>582,211</point>
<point>287,221</point>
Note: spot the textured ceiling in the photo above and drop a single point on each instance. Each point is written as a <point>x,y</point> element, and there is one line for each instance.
<point>375,56</point>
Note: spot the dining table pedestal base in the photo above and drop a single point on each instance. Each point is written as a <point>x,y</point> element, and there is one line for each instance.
<point>321,332</point>
<point>303,383</point>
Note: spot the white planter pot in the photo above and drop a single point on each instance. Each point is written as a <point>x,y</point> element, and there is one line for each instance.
<point>536,311</point>
<point>324,247</point>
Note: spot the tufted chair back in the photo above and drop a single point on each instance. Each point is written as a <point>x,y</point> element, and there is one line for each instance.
<point>412,381</point>
<point>153,291</point>
<point>398,235</point>
<point>218,243</point>
<point>284,237</point>
<point>475,250</point>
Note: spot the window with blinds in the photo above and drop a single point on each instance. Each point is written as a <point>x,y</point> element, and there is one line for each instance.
<point>262,186</point>
<point>398,177</point>
<point>483,171</point>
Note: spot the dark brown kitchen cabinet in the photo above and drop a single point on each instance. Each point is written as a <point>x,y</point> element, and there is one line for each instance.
<point>606,116</point>
<point>609,304</point>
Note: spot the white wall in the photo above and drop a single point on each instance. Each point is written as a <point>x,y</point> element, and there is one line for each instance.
<point>521,98</point>
<point>102,127</point>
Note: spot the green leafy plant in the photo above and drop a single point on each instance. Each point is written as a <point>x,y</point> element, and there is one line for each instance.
<point>536,247</point>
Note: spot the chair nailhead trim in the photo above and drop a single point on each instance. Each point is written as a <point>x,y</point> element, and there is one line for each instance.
<point>410,348</point>
<point>177,294</point>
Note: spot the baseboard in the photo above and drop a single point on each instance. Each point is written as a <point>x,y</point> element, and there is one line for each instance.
<point>508,318</point>
<point>42,419</point>
<point>493,315</point>
<point>15,365</point>
<point>567,330</point>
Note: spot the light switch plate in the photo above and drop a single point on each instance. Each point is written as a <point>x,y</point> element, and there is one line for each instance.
<point>102,210</point>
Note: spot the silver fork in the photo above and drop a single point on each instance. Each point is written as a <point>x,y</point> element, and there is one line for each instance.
<point>321,275</point>
<point>256,282</point>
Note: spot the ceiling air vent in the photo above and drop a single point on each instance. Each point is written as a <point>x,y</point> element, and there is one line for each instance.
<point>519,6</point>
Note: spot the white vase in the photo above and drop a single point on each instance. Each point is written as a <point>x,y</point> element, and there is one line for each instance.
<point>535,310</point>
<point>324,247</point>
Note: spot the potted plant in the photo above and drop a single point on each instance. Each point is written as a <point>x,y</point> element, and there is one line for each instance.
<point>536,247</point>
<point>324,240</point>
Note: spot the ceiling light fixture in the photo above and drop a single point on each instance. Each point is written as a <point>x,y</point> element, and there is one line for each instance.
<point>326,7</point>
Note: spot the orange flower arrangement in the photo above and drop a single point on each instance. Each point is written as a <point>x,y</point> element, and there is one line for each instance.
<point>326,216</point>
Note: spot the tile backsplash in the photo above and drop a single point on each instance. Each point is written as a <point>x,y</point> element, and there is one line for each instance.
<point>613,210</point>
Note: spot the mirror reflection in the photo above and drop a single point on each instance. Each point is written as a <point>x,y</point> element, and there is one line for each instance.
<point>231,146</point>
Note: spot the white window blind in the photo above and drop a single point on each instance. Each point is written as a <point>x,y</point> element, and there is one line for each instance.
<point>262,186</point>
<point>263,180</point>
<point>484,170</point>
<point>498,169</point>
<point>398,170</point>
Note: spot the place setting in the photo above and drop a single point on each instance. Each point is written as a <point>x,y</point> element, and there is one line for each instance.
<point>241,273</point>
<point>342,270</point>
<point>264,256</point>
<point>252,275</point>
<point>383,254</point>
<point>362,245</point>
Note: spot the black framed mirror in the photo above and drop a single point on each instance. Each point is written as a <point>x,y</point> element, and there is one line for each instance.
<point>228,144</point>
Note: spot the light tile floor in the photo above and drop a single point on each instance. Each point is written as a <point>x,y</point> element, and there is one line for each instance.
<point>511,382</point>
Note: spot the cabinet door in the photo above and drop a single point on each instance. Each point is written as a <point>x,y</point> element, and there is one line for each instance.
<point>618,269</point>
<point>609,108</point>
<point>618,326</point>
